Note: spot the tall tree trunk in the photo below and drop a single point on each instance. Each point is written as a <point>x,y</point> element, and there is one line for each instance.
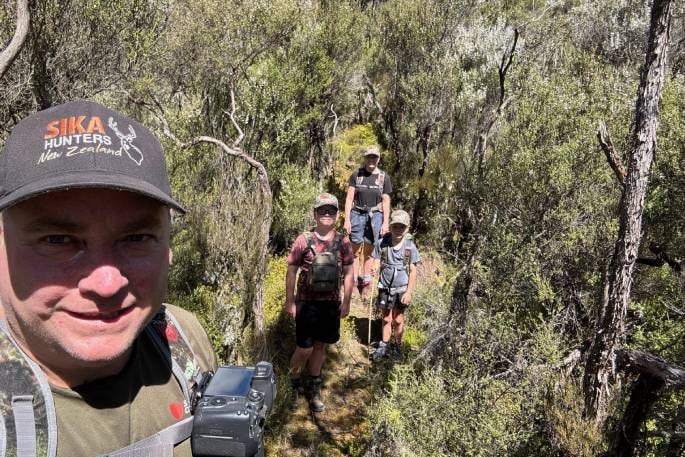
<point>676,446</point>
<point>600,365</point>
<point>644,394</point>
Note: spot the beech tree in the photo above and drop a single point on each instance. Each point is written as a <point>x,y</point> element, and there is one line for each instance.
<point>601,362</point>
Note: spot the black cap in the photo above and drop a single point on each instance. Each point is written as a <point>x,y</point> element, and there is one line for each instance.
<point>82,144</point>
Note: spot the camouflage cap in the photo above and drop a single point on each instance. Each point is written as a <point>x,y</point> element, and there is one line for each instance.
<point>399,217</point>
<point>325,199</point>
<point>372,151</point>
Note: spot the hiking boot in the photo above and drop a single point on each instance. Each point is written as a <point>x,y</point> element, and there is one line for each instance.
<point>298,390</point>
<point>395,351</point>
<point>381,352</point>
<point>364,286</point>
<point>315,402</point>
<point>360,284</point>
<point>297,385</point>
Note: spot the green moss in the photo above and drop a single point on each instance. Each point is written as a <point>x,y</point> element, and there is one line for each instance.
<point>274,289</point>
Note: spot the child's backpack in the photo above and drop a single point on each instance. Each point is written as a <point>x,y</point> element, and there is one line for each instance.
<point>324,273</point>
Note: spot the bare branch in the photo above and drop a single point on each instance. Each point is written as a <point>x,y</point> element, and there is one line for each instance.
<point>504,67</point>
<point>335,117</point>
<point>372,92</point>
<point>612,156</point>
<point>535,19</point>
<point>570,361</point>
<point>159,114</point>
<point>241,135</point>
<point>22,29</point>
<point>235,152</point>
<point>647,364</point>
<point>504,101</point>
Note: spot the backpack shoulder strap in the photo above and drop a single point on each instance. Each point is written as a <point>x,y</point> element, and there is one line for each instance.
<point>408,244</point>
<point>309,236</point>
<point>173,343</point>
<point>385,253</point>
<point>28,422</point>
<point>359,177</point>
<point>337,243</point>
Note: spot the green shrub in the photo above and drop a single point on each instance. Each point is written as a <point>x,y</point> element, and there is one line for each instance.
<point>274,289</point>
<point>293,204</point>
<point>348,148</point>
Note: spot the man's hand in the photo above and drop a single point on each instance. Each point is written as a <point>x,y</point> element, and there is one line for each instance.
<point>290,308</point>
<point>344,310</point>
<point>384,228</point>
<point>347,226</point>
<point>406,298</point>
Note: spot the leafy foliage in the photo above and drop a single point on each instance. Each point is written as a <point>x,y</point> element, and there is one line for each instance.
<point>519,234</point>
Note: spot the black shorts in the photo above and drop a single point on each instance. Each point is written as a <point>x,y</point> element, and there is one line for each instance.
<point>384,301</point>
<point>317,321</point>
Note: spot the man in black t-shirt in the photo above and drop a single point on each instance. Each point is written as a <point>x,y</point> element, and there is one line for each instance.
<point>367,210</point>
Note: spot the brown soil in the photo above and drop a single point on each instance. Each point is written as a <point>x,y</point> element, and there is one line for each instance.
<point>341,429</point>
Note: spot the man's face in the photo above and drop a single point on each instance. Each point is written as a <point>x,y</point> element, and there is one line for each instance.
<point>371,162</point>
<point>81,273</point>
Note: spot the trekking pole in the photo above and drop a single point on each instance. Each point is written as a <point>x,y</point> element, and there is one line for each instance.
<point>373,290</point>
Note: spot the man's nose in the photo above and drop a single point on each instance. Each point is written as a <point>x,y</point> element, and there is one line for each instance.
<point>104,281</point>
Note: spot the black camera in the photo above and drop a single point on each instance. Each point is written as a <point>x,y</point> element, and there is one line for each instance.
<point>231,411</point>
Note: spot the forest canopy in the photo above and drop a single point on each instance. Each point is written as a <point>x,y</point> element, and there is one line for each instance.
<point>487,115</point>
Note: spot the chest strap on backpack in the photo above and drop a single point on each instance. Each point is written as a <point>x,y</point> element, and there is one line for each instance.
<point>335,247</point>
<point>28,422</point>
<point>404,266</point>
<point>161,444</point>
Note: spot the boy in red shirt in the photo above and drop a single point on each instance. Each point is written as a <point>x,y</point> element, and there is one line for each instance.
<point>322,258</point>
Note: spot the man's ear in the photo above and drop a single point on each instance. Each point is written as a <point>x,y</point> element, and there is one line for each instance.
<point>171,256</point>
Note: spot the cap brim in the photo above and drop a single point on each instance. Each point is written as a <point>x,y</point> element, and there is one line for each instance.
<point>91,179</point>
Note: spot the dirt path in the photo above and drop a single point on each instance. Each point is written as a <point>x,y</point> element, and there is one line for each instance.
<point>348,388</point>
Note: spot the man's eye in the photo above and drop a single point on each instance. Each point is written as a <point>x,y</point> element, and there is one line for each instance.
<point>59,247</point>
<point>58,240</point>
<point>138,238</point>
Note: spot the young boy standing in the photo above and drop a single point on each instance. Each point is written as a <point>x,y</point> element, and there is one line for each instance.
<point>324,260</point>
<point>398,259</point>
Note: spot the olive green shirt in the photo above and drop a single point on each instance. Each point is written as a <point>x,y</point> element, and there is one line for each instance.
<point>111,413</point>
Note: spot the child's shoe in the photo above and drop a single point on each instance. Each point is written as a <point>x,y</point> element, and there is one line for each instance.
<point>381,352</point>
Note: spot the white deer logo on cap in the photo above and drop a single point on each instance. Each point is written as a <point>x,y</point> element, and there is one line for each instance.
<point>127,145</point>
